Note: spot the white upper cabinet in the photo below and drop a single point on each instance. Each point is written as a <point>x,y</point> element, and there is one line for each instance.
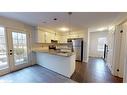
<point>46,37</point>
<point>49,37</point>
<point>40,36</point>
<point>43,36</point>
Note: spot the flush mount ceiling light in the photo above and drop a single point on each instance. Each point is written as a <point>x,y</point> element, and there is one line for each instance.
<point>111,28</point>
<point>63,29</point>
<point>102,29</point>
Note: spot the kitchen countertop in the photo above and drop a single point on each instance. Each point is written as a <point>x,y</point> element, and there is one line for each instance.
<point>54,52</point>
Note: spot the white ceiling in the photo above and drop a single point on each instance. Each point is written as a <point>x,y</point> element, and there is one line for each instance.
<point>79,20</point>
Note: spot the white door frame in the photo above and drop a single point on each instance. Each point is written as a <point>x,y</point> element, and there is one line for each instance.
<point>120,48</point>
<point>9,45</point>
<point>125,61</point>
<point>125,64</point>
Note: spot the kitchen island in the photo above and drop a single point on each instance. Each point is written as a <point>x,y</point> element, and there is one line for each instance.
<point>60,62</point>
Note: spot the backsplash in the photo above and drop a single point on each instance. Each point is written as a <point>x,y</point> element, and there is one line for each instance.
<point>46,46</point>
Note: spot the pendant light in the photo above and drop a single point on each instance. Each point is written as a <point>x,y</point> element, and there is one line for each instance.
<point>69,14</point>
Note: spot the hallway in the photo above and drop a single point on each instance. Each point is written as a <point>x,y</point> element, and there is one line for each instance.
<point>95,71</point>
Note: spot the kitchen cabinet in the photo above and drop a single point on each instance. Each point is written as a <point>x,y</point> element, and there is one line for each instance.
<point>40,37</point>
<point>46,37</point>
<point>63,39</point>
<point>61,64</point>
<point>57,37</point>
<point>74,36</point>
<point>51,36</point>
<point>80,35</point>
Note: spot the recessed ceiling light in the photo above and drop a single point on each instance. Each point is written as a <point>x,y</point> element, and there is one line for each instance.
<point>63,29</point>
<point>55,19</point>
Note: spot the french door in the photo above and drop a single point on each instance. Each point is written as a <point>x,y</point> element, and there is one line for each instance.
<point>14,50</point>
<point>4,56</point>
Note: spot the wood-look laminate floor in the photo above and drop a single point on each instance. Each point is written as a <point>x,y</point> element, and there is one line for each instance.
<point>95,71</point>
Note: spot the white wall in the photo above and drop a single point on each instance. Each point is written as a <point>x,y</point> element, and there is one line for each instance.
<point>93,52</point>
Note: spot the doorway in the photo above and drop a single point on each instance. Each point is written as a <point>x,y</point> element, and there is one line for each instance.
<point>98,39</point>
<point>13,50</point>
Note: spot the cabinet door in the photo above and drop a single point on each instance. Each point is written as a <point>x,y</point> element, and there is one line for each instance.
<point>63,39</point>
<point>40,37</point>
<point>74,36</point>
<point>52,36</point>
<point>43,37</point>
<point>57,37</point>
<point>80,35</point>
<point>49,37</point>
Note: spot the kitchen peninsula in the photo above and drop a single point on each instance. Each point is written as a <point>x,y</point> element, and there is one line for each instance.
<point>60,62</point>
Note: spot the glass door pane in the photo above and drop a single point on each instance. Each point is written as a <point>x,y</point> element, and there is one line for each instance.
<point>3,50</point>
<point>20,48</point>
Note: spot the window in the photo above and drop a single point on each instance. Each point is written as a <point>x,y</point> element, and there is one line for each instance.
<point>20,47</point>
<point>3,50</point>
<point>101,42</point>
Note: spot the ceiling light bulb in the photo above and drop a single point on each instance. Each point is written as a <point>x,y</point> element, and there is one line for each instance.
<point>102,29</point>
<point>64,29</point>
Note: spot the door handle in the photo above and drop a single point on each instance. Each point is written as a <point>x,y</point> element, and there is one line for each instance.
<point>10,53</point>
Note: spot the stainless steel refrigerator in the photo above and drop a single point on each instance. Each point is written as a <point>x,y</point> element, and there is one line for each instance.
<point>78,48</point>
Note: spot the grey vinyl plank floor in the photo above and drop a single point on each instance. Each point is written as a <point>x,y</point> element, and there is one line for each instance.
<point>34,74</point>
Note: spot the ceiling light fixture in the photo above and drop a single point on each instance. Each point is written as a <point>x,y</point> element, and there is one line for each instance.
<point>64,29</point>
<point>102,29</point>
<point>69,14</point>
<point>111,28</point>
